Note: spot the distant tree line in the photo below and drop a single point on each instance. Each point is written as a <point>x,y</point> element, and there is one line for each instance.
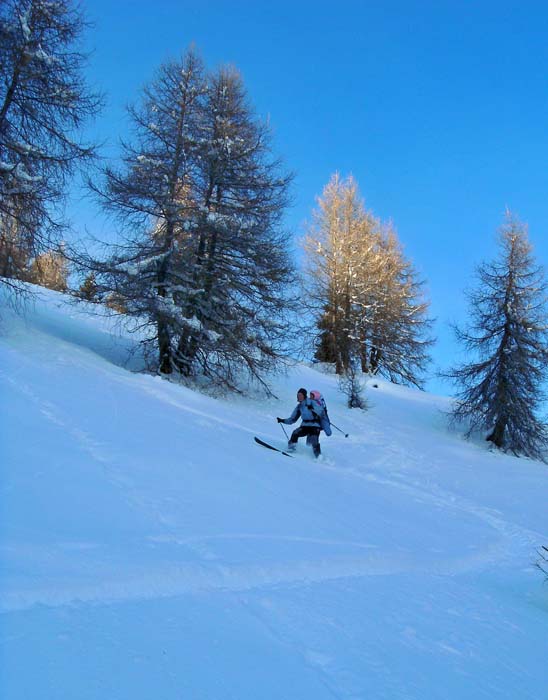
<point>202,264</point>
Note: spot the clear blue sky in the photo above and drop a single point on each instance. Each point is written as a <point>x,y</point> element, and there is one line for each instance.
<point>438,108</point>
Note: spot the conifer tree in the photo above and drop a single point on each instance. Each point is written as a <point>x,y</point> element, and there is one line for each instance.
<point>367,297</point>
<point>200,200</point>
<point>502,390</point>
<point>150,196</point>
<point>240,261</point>
<point>43,104</point>
<point>16,250</point>
<point>396,329</point>
<point>340,250</point>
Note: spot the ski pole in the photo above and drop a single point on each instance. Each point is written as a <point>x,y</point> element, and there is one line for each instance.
<point>340,431</point>
<point>282,427</point>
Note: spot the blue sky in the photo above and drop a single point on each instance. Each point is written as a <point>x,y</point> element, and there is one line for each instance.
<point>438,109</point>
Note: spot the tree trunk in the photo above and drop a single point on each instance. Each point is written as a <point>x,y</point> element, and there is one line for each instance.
<point>496,436</point>
<point>375,356</point>
<point>164,348</point>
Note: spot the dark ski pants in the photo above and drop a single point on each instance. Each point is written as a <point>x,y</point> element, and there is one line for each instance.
<point>312,438</point>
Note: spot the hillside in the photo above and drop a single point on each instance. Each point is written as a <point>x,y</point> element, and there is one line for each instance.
<point>150,549</point>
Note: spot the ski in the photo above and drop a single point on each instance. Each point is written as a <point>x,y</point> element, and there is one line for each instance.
<point>271,447</point>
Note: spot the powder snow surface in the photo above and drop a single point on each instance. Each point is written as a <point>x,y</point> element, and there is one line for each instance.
<point>150,550</point>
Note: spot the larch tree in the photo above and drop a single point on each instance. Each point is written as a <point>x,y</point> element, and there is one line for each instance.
<point>324,276</point>
<point>150,196</point>
<point>44,103</point>
<point>205,265</point>
<point>396,336</point>
<point>339,249</point>
<point>369,303</point>
<point>241,255</point>
<point>502,390</point>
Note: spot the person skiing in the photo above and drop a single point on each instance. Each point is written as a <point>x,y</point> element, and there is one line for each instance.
<point>310,413</point>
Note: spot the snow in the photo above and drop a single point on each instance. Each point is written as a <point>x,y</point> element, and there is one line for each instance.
<point>150,549</point>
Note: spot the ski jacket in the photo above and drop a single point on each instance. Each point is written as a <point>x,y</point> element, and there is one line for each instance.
<point>310,411</point>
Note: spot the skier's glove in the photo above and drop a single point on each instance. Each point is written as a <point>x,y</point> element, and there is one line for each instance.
<point>280,420</point>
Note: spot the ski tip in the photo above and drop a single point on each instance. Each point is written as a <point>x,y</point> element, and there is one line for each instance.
<point>270,447</point>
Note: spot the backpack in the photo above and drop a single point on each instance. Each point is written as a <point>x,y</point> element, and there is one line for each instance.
<point>324,418</point>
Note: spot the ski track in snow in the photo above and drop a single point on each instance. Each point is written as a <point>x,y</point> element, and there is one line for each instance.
<point>54,415</point>
<point>174,580</point>
<point>509,532</point>
<point>168,580</point>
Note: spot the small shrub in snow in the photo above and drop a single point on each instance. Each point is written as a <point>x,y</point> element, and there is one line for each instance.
<point>352,385</point>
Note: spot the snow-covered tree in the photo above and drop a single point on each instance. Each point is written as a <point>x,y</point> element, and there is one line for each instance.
<point>43,105</point>
<point>395,328</point>
<point>502,390</point>
<point>367,298</point>
<point>241,259</point>
<point>340,260</point>
<point>16,249</point>
<point>205,264</point>
<point>150,195</point>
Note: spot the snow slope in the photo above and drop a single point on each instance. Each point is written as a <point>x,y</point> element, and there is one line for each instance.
<point>150,549</point>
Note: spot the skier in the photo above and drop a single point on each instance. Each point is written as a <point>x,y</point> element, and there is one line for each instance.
<point>310,412</point>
